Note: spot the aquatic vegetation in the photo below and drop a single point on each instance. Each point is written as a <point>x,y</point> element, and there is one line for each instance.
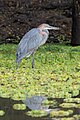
<point>78,106</point>
<point>76,100</point>
<point>19,106</point>
<point>60,113</point>
<point>50,102</point>
<point>35,102</point>
<point>2,112</point>
<point>36,113</point>
<point>77,117</point>
<point>68,105</point>
<point>56,73</point>
<point>69,118</point>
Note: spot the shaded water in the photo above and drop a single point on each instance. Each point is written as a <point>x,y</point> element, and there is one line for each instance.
<point>11,114</point>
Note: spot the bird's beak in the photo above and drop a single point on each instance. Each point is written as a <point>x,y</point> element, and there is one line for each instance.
<point>52,28</point>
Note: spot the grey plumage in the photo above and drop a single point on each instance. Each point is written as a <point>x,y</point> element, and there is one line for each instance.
<point>31,41</point>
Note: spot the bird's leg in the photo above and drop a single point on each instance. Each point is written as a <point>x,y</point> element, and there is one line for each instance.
<point>17,65</point>
<point>32,60</point>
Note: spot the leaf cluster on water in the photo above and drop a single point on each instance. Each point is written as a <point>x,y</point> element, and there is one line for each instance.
<point>56,73</point>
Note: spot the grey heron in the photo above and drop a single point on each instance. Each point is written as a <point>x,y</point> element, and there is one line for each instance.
<point>32,40</point>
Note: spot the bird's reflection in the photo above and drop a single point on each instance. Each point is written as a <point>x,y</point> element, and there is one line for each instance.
<point>35,103</point>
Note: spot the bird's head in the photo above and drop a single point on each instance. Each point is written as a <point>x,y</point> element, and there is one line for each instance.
<point>47,27</point>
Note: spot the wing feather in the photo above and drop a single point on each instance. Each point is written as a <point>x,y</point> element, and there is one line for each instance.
<point>28,44</point>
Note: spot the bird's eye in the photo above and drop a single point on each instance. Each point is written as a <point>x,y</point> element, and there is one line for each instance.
<point>43,30</point>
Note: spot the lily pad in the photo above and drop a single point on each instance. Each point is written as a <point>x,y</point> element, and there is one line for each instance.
<point>68,105</point>
<point>19,106</point>
<point>60,113</point>
<point>76,100</point>
<point>50,102</point>
<point>69,118</point>
<point>36,113</point>
<point>2,112</point>
<point>78,106</point>
<point>77,117</point>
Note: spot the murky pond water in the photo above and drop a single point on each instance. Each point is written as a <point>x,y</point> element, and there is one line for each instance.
<point>41,108</point>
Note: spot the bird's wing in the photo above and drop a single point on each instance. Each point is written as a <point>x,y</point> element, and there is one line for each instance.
<point>30,42</point>
<point>26,38</point>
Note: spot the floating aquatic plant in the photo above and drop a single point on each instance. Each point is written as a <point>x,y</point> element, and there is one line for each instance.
<point>50,102</point>
<point>78,106</point>
<point>56,73</point>
<point>76,100</point>
<point>36,113</point>
<point>77,117</point>
<point>68,118</point>
<point>2,112</point>
<point>68,105</point>
<point>19,106</point>
<point>60,113</point>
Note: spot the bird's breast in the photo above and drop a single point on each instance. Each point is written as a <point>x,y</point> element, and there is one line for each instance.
<point>44,37</point>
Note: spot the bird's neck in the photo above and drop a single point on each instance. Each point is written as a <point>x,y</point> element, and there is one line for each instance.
<point>43,32</point>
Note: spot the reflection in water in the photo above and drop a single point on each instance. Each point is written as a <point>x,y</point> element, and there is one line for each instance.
<point>35,102</point>
<point>11,114</point>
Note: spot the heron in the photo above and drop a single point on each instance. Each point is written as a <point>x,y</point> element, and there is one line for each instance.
<point>32,40</point>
